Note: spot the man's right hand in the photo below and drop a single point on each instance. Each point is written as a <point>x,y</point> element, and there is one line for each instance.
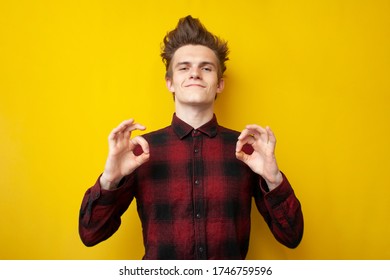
<point>121,159</point>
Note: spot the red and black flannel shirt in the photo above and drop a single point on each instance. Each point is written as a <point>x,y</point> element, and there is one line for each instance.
<point>193,198</point>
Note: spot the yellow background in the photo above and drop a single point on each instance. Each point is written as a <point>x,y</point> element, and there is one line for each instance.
<point>317,72</point>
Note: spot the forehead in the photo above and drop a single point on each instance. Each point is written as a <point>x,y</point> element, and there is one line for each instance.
<point>194,54</point>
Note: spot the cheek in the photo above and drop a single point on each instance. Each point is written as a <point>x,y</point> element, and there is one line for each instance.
<point>177,80</point>
<point>214,85</point>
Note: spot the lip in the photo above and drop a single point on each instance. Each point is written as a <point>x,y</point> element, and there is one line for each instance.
<point>195,85</point>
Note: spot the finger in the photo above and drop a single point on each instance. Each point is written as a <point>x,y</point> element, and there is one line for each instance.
<point>139,140</point>
<point>245,134</point>
<point>252,130</point>
<point>128,124</point>
<point>123,125</point>
<point>265,134</point>
<point>246,137</point>
<point>129,129</point>
<point>242,156</point>
<point>144,156</point>
<point>271,135</point>
<point>124,128</point>
<point>239,145</point>
<point>256,130</point>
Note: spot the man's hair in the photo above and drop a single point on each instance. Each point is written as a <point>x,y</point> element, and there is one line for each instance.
<point>190,31</point>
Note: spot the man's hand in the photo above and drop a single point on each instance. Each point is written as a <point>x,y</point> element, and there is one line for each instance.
<point>121,160</point>
<point>262,160</point>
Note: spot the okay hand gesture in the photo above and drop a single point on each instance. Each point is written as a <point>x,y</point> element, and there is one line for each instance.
<point>121,160</point>
<point>262,161</point>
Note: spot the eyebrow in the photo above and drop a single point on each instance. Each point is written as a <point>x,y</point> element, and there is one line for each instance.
<point>203,63</point>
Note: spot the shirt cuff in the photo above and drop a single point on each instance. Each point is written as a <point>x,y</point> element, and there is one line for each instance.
<point>279,194</point>
<point>109,195</point>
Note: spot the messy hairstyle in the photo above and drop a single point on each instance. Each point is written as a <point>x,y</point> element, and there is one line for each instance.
<point>190,31</point>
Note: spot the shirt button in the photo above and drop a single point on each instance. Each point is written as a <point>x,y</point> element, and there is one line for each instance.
<point>196,150</point>
<point>198,216</point>
<point>201,249</point>
<point>196,182</point>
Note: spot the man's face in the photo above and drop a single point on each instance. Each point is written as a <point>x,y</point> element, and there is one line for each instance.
<point>194,78</point>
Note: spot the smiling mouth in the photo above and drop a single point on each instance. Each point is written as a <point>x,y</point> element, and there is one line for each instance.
<point>195,85</point>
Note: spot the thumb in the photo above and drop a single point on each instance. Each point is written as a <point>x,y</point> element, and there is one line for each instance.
<point>241,156</point>
<point>142,158</point>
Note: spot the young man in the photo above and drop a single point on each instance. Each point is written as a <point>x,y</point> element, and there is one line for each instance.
<point>194,180</point>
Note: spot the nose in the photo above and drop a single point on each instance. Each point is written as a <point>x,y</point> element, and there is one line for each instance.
<point>195,73</point>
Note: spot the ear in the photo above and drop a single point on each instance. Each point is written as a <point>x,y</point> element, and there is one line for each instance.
<point>221,85</point>
<point>168,82</point>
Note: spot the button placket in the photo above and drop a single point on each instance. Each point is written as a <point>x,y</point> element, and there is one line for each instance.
<point>198,192</point>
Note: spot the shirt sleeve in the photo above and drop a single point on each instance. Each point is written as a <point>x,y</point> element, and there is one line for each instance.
<point>282,212</point>
<point>101,210</point>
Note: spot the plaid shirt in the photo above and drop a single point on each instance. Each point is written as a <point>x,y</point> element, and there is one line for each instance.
<point>193,198</point>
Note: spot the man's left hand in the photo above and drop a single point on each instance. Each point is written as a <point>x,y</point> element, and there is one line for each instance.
<point>262,160</point>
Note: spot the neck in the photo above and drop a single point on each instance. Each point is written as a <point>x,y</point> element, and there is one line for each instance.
<point>195,117</point>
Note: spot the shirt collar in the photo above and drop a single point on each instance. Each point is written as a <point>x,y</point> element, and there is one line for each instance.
<point>182,129</point>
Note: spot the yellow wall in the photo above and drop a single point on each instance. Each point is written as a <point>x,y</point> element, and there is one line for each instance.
<point>317,72</point>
